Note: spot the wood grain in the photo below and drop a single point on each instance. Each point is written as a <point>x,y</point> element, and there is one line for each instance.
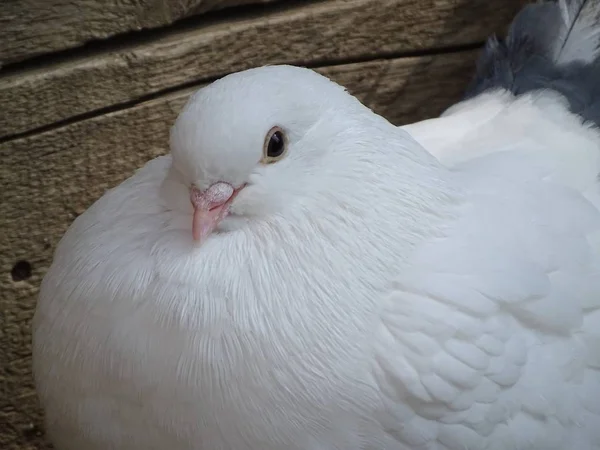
<point>52,177</point>
<point>314,33</point>
<point>30,28</point>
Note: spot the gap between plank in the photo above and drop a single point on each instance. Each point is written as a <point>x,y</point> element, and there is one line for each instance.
<point>123,41</point>
<point>152,96</point>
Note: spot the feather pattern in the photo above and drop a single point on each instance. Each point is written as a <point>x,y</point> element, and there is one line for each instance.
<point>474,345</point>
<point>464,348</point>
<point>578,37</point>
<point>514,125</point>
<point>550,45</point>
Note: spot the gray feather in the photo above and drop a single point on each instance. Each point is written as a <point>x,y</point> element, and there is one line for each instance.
<point>550,45</point>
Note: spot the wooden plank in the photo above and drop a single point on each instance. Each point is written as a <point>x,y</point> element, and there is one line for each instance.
<point>312,34</point>
<point>52,177</point>
<point>30,28</point>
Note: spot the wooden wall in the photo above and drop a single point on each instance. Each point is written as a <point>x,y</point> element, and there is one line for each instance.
<point>89,89</point>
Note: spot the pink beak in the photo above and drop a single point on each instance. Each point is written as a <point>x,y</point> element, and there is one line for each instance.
<point>210,208</point>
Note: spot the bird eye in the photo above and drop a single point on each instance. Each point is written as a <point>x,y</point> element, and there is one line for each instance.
<point>275,145</point>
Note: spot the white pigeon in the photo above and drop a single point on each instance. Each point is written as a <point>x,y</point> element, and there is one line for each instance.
<point>299,274</point>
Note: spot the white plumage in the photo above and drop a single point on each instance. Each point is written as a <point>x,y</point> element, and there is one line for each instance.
<point>431,287</point>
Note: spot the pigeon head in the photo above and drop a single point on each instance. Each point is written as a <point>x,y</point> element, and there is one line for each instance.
<point>247,144</point>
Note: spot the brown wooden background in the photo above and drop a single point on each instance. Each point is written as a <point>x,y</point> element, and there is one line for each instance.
<point>89,89</point>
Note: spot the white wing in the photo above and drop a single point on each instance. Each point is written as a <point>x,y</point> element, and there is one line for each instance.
<point>536,124</point>
<point>492,339</point>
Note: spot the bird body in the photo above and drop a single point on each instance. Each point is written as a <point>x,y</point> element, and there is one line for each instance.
<point>358,286</point>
